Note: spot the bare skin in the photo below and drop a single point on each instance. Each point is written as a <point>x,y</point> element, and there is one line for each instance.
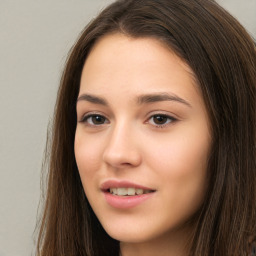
<point>141,119</point>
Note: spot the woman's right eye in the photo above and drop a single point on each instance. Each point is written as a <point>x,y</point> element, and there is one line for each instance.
<point>94,120</point>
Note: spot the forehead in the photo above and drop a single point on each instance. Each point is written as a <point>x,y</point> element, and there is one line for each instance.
<point>118,63</point>
<point>144,50</point>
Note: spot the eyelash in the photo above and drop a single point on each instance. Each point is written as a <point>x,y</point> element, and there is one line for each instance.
<point>167,117</point>
<point>86,118</point>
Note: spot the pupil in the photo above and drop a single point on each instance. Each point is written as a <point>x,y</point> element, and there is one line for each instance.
<point>98,120</point>
<point>160,119</point>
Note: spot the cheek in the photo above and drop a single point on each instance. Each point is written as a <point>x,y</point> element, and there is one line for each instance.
<point>181,162</point>
<point>179,155</point>
<point>87,154</point>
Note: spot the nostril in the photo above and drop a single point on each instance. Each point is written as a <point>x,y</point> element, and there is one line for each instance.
<point>122,160</point>
<point>127,164</point>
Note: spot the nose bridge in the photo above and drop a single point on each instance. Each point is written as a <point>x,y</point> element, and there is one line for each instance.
<point>122,148</point>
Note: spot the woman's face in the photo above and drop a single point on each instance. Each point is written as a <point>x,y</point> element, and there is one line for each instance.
<point>142,138</point>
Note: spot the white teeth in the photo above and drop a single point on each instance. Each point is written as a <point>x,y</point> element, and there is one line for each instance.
<point>113,191</point>
<point>122,191</point>
<point>131,191</point>
<point>139,191</point>
<point>128,191</point>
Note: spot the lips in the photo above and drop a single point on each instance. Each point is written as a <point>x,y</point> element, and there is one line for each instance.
<point>129,191</point>
<point>124,188</point>
<point>124,194</point>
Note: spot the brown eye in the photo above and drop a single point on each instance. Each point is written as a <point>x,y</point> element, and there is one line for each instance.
<point>161,120</point>
<point>98,120</point>
<point>94,120</point>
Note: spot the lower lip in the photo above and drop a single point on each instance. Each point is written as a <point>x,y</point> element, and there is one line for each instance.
<point>126,202</point>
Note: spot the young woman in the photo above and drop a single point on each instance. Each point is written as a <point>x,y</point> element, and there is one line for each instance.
<point>153,142</point>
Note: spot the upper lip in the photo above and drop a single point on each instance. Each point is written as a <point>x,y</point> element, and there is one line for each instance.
<point>122,184</point>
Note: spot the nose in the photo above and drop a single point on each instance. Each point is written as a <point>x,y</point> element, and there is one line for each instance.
<point>122,149</point>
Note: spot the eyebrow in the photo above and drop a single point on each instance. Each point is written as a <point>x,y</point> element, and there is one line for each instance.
<point>151,98</point>
<point>92,99</point>
<point>142,99</point>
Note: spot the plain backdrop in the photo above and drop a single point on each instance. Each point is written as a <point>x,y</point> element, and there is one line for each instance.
<point>35,37</point>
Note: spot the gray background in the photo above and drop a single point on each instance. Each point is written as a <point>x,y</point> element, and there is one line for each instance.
<point>35,37</point>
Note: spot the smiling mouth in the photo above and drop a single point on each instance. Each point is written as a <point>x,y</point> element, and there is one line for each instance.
<point>129,191</point>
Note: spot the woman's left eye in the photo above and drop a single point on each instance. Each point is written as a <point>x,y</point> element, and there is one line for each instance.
<point>161,120</point>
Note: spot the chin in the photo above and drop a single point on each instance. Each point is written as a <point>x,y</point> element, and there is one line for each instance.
<point>127,233</point>
<point>128,236</point>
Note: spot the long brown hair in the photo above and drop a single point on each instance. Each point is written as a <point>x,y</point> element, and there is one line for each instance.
<point>223,58</point>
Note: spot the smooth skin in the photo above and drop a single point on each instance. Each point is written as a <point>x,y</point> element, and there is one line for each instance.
<point>141,118</point>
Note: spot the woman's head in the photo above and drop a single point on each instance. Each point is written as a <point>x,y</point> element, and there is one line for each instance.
<point>142,124</point>
<point>218,57</point>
